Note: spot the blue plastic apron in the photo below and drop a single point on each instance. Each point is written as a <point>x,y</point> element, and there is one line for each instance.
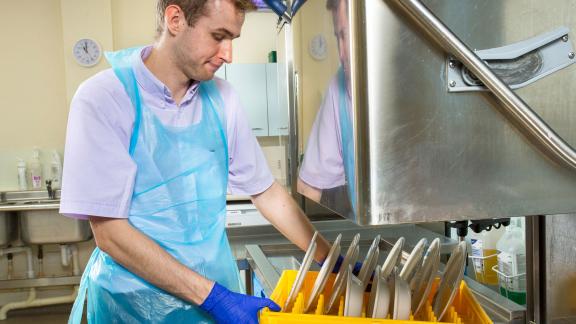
<point>347,137</point>
<point>179,201</point>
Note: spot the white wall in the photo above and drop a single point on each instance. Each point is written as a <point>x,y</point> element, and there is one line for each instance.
<point>32,92</point>
<point>258,38</point>
<point>133,22</point>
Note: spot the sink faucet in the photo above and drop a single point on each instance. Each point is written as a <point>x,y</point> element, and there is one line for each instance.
<point>51,192</point>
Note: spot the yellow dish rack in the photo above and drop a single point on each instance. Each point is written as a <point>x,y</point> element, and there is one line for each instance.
<point>464,308</point>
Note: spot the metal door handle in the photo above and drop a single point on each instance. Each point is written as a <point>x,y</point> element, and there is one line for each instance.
<point>257,128</point>
<point>515,108</point>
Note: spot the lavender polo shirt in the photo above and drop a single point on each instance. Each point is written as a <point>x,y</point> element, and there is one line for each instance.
<point>323,166</point>
<point>99,174</point>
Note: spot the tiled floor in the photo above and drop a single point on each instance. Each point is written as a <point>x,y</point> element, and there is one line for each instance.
<point>40,315</point>
<point>37,319</point>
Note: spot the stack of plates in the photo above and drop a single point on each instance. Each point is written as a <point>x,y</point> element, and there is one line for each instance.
<point>396,291</point>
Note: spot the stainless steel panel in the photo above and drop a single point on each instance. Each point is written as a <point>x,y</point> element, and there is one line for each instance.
<point>535,269</point>
<point>513,107</point>
<point>438,156</point>
<point>560,269</point>
<point>48,226</point>
<point>424,154</point>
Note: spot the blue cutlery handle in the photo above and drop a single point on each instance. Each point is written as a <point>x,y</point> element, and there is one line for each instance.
<point>277,6</point>
<point>296,5</point>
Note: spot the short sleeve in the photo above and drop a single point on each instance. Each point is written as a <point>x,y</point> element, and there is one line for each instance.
<point>322,166</point>
<point>248,173</point>
<point>98,174</point>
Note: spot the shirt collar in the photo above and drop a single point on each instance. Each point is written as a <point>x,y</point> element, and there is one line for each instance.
<point>152,85</point>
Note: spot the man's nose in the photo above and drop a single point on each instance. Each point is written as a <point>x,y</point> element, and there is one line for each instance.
<point>225,52</point>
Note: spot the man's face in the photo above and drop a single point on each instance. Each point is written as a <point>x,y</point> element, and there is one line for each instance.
<point>200,50</point>
<point>342,33</point>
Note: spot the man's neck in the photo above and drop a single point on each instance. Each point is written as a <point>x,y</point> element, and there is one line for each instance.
<point>164,68</point>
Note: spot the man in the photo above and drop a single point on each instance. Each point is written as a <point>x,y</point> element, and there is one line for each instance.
<point>327,172</point>
<point>152,147</point>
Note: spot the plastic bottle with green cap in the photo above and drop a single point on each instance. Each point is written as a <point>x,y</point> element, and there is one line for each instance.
<point>512,262</point>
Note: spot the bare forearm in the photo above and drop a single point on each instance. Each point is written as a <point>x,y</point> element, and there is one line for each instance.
<point>309,191</point>
<point>145,258</point>
<point>281,210</point>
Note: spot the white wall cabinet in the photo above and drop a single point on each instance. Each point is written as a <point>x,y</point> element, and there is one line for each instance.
<point>257,87</point>
<point>277,100</point>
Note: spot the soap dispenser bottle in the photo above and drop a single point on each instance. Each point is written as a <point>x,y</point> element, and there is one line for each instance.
<point>56,170</point>
<point>512,262</point>
<point>22,178</point>
<point>36,170</point>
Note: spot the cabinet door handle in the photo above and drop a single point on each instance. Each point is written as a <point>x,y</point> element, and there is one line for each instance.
<point>283,127</point>
<point>257,128</point>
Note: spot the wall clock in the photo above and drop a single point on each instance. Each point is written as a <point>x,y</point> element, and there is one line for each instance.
<point>318,47</point>
<point>87,52</point>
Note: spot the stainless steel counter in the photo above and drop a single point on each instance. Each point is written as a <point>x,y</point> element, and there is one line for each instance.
<point>38,200</point>
<point>29,205</point>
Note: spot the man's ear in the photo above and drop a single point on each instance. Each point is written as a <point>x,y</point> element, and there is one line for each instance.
<point>174,19</point>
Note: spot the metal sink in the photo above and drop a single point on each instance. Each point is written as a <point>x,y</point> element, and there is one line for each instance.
<point>48,226</point>
<point>40,222</point>
<point>5,228</point>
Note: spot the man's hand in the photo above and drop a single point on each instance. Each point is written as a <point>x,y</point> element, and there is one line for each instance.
<point>226,306</point>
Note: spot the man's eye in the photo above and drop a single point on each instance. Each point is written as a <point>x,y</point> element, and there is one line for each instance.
<point>217,37</point>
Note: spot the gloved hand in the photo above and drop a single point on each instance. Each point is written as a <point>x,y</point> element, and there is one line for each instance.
<point>226,306</point>
<point>338,264</point>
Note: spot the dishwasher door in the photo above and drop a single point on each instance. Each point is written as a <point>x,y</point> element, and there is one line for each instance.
<point>423,142</point>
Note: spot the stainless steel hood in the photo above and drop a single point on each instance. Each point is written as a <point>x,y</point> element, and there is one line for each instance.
<point>429,143</point>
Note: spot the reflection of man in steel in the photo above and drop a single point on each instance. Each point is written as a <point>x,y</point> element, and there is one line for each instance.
<point>328,161</point>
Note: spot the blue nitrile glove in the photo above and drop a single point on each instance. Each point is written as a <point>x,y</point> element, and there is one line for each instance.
<point>226,306</point>
<point>338,264</point>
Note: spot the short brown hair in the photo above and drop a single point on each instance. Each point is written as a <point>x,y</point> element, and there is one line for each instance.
<point>193,9</point>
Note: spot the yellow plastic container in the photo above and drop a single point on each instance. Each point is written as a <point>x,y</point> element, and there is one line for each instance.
<point>464,309</point>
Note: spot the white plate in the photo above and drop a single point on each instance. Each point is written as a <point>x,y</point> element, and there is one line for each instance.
<point>392,259</point>
<point>379,301</point>
<point>354,295</point>
<point>402,299</point>
<point>425,277</point>
<point>326,269</point>
<point>306,262</point>
<point>370,262</point>
<point>450,280</point>
<point>349,259</point>
<point>414,261</point>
